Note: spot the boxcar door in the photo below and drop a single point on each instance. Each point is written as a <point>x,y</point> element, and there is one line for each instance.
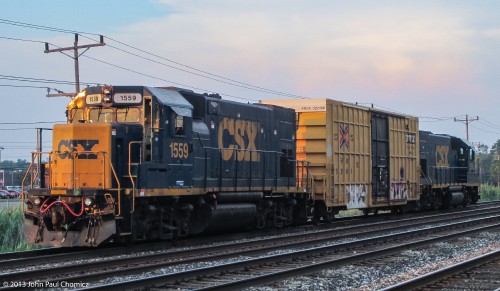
<point>380,157</point>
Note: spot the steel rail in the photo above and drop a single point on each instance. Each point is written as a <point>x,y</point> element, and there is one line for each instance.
<point>437,275</point>
<point>200,254</point>
<point>19,259</point>
<point>317,253</point>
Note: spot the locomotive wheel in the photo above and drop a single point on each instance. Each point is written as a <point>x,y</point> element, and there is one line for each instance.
<point>467,199</point>
<point>329,216</point>
<point>316,219</point>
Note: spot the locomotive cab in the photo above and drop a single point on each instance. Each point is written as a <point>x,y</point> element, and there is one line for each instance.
<point>114,135</point>
<point>168,147</point>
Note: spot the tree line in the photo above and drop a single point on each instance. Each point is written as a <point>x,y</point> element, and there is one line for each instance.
<point>489,164</point>
<point>12,172</point>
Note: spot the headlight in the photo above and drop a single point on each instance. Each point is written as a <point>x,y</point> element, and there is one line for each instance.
<point>37,201</point>
<point>88,201</point>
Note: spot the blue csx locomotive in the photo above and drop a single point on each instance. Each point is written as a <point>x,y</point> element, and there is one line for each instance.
<point>140,163</point>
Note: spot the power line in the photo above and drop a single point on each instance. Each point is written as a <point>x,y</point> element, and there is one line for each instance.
<point>487,131</point>
<point>21,128</point>
<point>161,79</point>
<point>16,142</point>
<point>213,76</point>
<point>34,122</point>
<point>210,76</point>
<point>75,56</point>
<point>21,39</point>
<point>36,26</point>
<point>489,124</point>
<point>40,80</point>
<point>25,86</point>
<point>19,147</point>
<point>113,65</point>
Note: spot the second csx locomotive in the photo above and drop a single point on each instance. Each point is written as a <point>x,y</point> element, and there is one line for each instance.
<point>139,163</point>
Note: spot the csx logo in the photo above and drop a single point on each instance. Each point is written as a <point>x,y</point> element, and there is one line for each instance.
<point>66,147</point>
<point>442,156</point>
<point>242,134</point>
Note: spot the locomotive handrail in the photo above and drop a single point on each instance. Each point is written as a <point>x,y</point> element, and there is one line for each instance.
<point>22,186</point>
<point>435,167</point>
<point>233,149</point>
<point>117,183</point>
<point>34,155</point>
<point>130,170</point>
<point>309,179</point>
<point>426,177</point>
<point>29,171</point>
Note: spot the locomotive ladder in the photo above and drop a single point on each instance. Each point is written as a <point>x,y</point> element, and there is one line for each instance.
<point>133,177</point>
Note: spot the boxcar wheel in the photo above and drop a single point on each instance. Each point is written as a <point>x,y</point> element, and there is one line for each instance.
<point>329,216</point>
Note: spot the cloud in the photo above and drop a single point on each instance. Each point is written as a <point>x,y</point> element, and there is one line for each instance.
<point>326,45</point>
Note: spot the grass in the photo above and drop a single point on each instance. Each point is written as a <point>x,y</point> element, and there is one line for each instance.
<point>489,193</point>
<point>11,228</point>
<point>350,212</point>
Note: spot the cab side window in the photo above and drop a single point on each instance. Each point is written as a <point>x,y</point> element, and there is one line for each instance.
<point>179,125</point>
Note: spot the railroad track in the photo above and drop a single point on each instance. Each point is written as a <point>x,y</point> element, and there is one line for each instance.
<point>345,240</point>
<point>477,273</point>
<point>257,271</point>
<point>45,254</point>
<point>38,259</point>
<point>40,256</point>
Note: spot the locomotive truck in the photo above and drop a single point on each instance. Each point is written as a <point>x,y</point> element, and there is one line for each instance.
<point>140,163</point>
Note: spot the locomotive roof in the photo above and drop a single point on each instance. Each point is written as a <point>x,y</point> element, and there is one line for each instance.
<point>173,99</point>
<point>166,96</point>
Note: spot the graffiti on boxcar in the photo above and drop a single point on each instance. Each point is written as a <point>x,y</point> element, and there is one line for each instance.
<point>356,196</point>
<point>399,190</point>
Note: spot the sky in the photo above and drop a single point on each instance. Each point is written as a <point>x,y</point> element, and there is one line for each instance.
<point>437,60</point>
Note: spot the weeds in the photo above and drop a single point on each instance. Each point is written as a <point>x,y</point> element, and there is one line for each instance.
<point>489,193</point>
<point>11,228</point>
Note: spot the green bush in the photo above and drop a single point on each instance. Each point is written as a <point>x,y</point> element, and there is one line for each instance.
<point>11,228</point>
<point>489,193</point>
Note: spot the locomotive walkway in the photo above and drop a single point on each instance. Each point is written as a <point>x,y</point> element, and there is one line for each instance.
<point>253,262</point>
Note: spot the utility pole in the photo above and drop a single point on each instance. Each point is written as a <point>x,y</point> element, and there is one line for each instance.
<point>75,56</point>
<point>466,121</point>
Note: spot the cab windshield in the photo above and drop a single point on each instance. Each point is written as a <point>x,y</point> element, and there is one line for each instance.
<point>105,115</point>
<point>101,115</point>
<point>75,115</point>
<point>128,115</point>
<point>109,115</point>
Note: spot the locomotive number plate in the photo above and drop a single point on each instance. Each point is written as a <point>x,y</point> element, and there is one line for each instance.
<point>93,99</point>
<point>127,98</point>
